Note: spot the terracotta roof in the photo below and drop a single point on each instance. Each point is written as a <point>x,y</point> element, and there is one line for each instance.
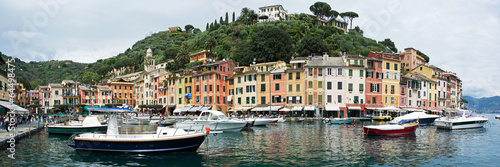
<point>331,62</point>
<point>55,85</point>
<point>103,88</point>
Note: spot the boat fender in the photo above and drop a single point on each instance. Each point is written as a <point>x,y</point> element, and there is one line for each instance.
<point>354,125</point>
<point>348,126</point>
<point>207,129</point>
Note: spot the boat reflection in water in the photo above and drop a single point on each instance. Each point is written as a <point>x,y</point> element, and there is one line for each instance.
<point>138,159</point>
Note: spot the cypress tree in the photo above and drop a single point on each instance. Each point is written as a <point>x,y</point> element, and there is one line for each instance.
<point>206,29</point>
<point>221,21</point>
<point>227,21</point>
<point>233,16</point>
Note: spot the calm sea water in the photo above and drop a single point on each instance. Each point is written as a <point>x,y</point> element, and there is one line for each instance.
<point>308,143</point>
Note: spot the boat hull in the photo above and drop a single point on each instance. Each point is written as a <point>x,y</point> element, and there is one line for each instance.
<point>165,145</point>
<point>68,130</point>
<point>421,121</point>
<point>460,125</point>
<point>382,118</point>
<point>198,125</point>
<point>406,130</point>
<point>341,121</point>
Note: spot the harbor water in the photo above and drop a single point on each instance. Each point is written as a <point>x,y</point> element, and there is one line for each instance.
<point>307,143</point>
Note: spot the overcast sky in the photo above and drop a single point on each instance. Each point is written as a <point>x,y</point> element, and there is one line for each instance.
<point>458,35</point>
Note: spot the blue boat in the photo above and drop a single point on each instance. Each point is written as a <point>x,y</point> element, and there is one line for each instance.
<point>341,121</point>
<point>423,118</point>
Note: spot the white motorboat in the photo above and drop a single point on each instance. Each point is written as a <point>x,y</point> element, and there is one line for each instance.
<point>424,119</point>
<point>216,120</point>
<point>497,116</point>
<point>281,119</point>
<point>89,124</point>
<point>165,139</point>
<point>465,121</point>
<point>259,121</point>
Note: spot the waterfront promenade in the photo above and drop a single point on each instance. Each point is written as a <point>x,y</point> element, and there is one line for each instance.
<point>21,131</point>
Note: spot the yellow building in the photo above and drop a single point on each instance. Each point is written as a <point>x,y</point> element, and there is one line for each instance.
<point>245,87</point>
<point>390,82</point>
<point>295,90</point>
<point>432,88</point>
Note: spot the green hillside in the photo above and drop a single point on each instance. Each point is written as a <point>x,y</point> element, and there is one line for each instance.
<point>241,40</point>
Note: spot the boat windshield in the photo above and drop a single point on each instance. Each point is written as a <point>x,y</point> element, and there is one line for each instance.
<point>465,113</point>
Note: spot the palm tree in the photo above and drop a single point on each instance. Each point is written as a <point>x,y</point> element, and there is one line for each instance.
<point>210,44</point>
<point>182,57</point>
<point>244,14</point>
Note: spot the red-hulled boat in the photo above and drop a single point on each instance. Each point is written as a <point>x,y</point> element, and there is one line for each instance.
<point>390,129</point>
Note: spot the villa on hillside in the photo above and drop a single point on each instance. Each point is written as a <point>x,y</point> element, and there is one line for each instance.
<point>273,12</point>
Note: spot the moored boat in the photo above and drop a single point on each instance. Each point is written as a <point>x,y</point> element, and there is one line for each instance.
<point>390,129</point>
<point>423,118</point>
<point>281,119</point>
<point>167,122</point>
<point>216,120</point>
<point>165,139</point>
<point>89,124</point>
<point>260,121</point>
<point>497,116</point>
<point>466,121</point>
<point>341,121</point>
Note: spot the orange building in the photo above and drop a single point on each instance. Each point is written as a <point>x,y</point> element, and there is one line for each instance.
<point>122,92</point>
<point>210,84</point>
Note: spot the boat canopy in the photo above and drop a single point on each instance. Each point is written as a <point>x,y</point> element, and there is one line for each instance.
<point>120,110</point>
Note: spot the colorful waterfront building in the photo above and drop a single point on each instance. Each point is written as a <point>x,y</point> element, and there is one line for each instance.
<point>56,97</point>
<point>454,89</point>
<point>334,86</point>
<point>104,95</point>
<point>245,88</point>
<point>432,86</point>
<point>212,77</point>
<point>315,92</point>
<point>390,82</point>
<point>170,92</point>
<point>442,82</point>
<point>44,96</point>
<point>268,75</point>
<point>162,99</point>
<point>295,92</point>
<point>184,85</point>
<point>88,95</point>
<point>373,84</point>
<point>122,92</point>
<point>230,95</point>
<point>355,78</point>
<point>70,94</point>
<point>277,89</point>
<point>410,59</point>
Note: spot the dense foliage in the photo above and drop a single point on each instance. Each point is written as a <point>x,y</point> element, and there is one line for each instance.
<point>241,40</point>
